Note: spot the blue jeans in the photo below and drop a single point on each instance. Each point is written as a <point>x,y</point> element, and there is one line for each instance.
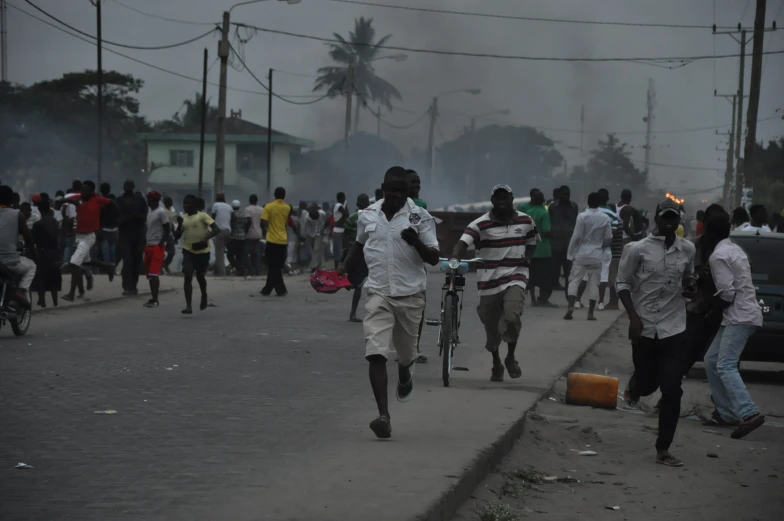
<point>729,393</point>
<point>68,248</point>
<point>337,246</point>
<point>109,246</point>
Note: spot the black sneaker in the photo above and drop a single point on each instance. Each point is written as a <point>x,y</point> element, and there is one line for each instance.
<point>497,375</point>
<point>421,359</point>
<point>381,427</point>
<point>748,426</point>
<point>513,368</point>
<point>151,304</point>
<point>90,283</point>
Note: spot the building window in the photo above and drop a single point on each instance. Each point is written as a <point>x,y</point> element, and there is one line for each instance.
<point>181,158</point>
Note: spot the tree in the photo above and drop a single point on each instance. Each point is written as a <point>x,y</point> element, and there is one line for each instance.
<point>609,166</point>
<point>358,52</point>
<point>189,116</point>
<point>48,131</point>
<point>471,164</point>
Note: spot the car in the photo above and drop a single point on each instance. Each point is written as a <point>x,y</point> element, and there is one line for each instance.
<point>766,256</point>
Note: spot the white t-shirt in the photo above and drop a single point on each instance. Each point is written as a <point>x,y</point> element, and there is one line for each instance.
<point>222,212</point>
<point>337,213</point>
<point>253,213</point>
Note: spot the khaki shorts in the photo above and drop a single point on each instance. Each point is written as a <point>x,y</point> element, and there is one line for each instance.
<point>393,321</point>
<point>590,274</point>
<point>500,313</point>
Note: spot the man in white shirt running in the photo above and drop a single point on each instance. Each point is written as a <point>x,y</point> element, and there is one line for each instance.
<point>223,214</point>
<point>396,238</point>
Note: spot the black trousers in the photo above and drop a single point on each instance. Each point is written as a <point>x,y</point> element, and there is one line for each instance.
<point>542,277</point>
<point>700,332</point>
<point>275,256</point>
<point>658,364</point>
<point>561,263</point>
<point>238,256</point>
<point>131,252</point>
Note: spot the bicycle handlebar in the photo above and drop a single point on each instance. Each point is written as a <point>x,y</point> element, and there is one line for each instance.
<point>475,259</point>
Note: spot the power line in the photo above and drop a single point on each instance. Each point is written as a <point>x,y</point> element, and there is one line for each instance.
<point>136,60</point>
<point>671,59</point>
<point>525,18</point>
<point>267,88</point>
<point>106,42</point>
<point>160,17</point>
<point>640,132</point>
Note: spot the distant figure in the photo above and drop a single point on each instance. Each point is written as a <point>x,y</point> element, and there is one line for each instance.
<point>158,229</point>
<point>358,275</point>
<point>253,234</point>
<point>563,217</point>
<point>223,214</point>
<point>700,223</point>
<point>238,255</point>
<point>133,218</point>
<point>339,214</point>
<point>48,278</point>
<point>171,244</point>
<point>314,227</point>
<point>12,225</point>
<point>196,229</point>
<point>759,219</point>
<point>739,219</point>
<point>274,218</point>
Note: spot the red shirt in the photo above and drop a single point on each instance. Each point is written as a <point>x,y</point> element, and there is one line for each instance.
<point>699,228</point>
<point>88,214</point>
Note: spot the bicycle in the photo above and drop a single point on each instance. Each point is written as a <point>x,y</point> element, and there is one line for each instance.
<point>10,310</point>
<point>451,311</point>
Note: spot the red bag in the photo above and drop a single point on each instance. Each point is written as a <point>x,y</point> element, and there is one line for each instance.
<point>329,281</point>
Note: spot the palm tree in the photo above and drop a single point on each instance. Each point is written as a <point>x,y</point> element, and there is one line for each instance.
<point>190,117</point>
<point>357,52</point>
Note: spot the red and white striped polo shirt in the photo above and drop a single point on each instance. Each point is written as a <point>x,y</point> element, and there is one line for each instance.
<point>502,246</point>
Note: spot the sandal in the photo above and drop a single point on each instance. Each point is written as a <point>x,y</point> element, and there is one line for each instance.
<point>513,368</point>
<point>716,420</point>
<point>668,460</point>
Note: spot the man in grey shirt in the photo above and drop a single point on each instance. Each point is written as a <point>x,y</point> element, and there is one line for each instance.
<point>655,277</point>
<point>158,229</point>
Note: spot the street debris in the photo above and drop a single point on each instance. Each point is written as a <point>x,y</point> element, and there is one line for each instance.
<point>23,466</point>
<point>613,508</point>
<point>712,455</point>
<point>711,432</point>
<point>585,452</point>
<point>107,411</point>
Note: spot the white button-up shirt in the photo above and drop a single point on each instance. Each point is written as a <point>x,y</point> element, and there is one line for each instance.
<point>395,269</point>
<point>592,235</point>
<point>732,275</point>
<point>653,275</point>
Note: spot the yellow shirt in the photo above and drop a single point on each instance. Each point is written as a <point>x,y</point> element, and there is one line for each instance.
<point>195,229</point>
<point>276,214</point>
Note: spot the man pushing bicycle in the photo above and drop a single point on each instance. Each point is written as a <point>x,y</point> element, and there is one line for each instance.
<point>507,239</point>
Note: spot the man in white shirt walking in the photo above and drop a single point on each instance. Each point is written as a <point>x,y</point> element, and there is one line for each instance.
<point>591,239</point>
<point>314,224</point>
<point>742,317</point>
<point>340,214</point>
<point>396,238</point>
<point>223,214</point>
<point>507,240</point>
<point>253,234</point>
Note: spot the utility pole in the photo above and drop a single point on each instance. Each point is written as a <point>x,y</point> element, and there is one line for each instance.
<point>649,124</point>
<point>471,167</point>
<point>269,136</point>
<point>431,157</point>
<point>3,43</point>
<point>754,94</point>
<point>100,93</point>
<point>729,176</point>
<point>203,123</point>
<point>738,133</point>
<point>348,87</point>
<point>220,145</point>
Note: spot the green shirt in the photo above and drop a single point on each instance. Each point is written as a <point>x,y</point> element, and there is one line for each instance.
<point>350,226</point>
<point>542,221</point>
<point>420,203</point>
<point>524,208</point>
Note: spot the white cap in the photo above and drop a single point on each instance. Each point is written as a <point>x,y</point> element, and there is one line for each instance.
<point>235,203</point>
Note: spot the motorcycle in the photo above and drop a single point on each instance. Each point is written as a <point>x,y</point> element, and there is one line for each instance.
<point>10,310</point>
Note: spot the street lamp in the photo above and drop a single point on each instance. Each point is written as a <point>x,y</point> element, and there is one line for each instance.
<point>431,134</point>
<point>223,54</point>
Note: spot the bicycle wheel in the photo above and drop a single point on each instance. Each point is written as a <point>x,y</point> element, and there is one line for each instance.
<point>21,324</point>
<point>447,337</point>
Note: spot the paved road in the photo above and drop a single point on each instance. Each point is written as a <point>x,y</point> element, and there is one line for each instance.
<point>255,409</point>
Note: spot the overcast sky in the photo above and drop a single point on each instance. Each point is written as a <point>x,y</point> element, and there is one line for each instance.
<point>547,94</point>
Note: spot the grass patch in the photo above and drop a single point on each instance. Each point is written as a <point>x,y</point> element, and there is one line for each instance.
<point>494,511</point>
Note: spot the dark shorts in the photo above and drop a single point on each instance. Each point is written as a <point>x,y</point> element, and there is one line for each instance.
<point>195,262</point>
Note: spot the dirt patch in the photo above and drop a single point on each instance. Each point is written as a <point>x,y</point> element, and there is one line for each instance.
<point>553,473</point>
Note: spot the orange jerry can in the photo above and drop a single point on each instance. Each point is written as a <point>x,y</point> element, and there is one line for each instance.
<point>592,389</point>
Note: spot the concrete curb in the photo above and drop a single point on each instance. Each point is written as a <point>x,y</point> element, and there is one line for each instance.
<point>91,303</point>
<point>489,457</point>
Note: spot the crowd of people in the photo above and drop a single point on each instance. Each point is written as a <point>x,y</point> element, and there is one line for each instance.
<point>685,298</point>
